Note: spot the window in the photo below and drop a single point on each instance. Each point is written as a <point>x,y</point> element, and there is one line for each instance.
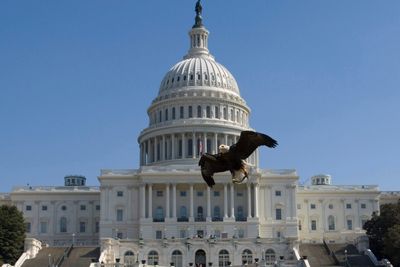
<point>348,206</point>
<point>331,223</point>
<point>181,114</point>
<point>216,194</point>
<point>28,207</point>
<point>190,147</point>
<point>313,225</point>
<point>190,112</point>
<point>232,115</point>
<point>199,112</point>
<point>363,205</point>
<point>217,212</point>
<point>223,258</point>
<point>176,258</point>
<point>97,207</point>
<point>239,194</point>
<point>159,193</point>
<point>82,227</point>
<point>200,212</point>
<point>182,233</point>
<point>200,233</point>
<point>63,225</point>
<point>159,214</point>
<point>44,207</point>
<point>120,193</point>
<point>278,213</point>
<point>247,257</point>
<point>183,193</point>
<point>298,206</point>
<point>159,116</point>
<point>240,213</point>
<point>83,207</point>
<point>299,225</point>
<point>120,235</point>
<point>120,215</point>
<point>166,114</point>
<point>269,256</point>
<point>312,206</point>
<point>183,212</point>
<point>225,114</point>
<point>278,234</point>
<point>330,206</point>
<point>97,227</point>
<point>64,208</point>
<point>152,258</point>
<point>43,227</point>
<point>349,224</point>
<point>173,113</point>
<point>129,259</point>
<point>200,193</point>
<point>278,193</point>
<point>216,112</point>
<point>158,234</point>
<point>208,112</point>
<point>28,227</point>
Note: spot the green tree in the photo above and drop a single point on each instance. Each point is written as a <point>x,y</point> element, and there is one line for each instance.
<point>382,230</point>
<point>12,234</point>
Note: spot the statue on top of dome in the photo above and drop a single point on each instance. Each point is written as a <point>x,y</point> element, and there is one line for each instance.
<point>198,8</point>
<point>198,20</point>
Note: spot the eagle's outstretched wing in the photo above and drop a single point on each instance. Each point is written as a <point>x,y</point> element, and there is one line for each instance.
<point>211,164</point>
<point>250,141</point>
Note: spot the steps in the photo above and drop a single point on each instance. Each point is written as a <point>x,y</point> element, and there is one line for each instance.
<point>317,255</point>
<point>81,257</point>
<point>43,258</point>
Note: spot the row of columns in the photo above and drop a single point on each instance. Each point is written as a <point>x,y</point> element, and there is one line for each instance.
<point>174,146</point>
<point>146,211</point>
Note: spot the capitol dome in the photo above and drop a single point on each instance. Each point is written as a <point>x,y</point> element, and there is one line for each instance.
<point>197,108</point>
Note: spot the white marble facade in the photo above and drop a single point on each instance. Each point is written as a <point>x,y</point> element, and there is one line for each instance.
<point>163,211</point>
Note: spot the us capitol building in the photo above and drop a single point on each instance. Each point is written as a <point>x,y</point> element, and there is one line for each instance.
<point>163,212</point>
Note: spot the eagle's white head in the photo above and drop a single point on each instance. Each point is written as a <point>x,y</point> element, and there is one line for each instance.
<point>223,148</point>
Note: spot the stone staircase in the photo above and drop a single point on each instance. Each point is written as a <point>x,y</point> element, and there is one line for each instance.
<point>81,257</point>
<point>352,256</point>
<point>43,259</point>
<point>317,255</point>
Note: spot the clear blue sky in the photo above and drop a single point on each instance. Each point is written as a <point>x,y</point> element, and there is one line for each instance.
<point>322,77</point>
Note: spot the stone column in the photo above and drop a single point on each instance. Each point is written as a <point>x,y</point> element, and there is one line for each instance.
<point>174,201</point>
<point>167,199</point>
<point>163,157</point>
<point>323,219</point>
<point>357,222</point>
<point>193,145</point>
<point>232,202</point>
<point>172,146</point>
<point>215,143</point>
<point>249,201</point>
<point>150,211</point>
<point>205,142</point>
<point>226,139</point>
<point>225,201</point>
<point>183,146</point>
<point>256,188</point>
<point>191,218</point>
<point>208,204</point>
<point>267,203</point>
<point>142,194</point>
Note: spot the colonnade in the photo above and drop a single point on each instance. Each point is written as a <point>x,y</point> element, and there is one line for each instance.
<point>185,145</point>
<point>146,205</point>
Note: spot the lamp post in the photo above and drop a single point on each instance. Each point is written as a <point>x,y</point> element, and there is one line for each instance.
<point>345,257</point>
<point>73,239</point>
<point>49,260</point>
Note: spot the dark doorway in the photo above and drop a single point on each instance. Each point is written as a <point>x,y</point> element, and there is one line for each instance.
<point>200,258</point>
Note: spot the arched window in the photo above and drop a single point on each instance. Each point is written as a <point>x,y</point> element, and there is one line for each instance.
<point>173,113</point>
<point>129,259</point>
<point>190,147</point>
<point>208,112</point>
<point>269,256</point>
<point>181,112</point>
<point>152,258</point>
<point>159,116</point>
<point>200,213</point>
<point>176,258</point>
<point>63,225</point>
<point>223,258</point>
<point>247,257</point>
<point>166,114</point>
<point>199,112</point>
<point>331,223</point>
<point>216,112</point>
<point>225,114</point>
<point>190,111</point>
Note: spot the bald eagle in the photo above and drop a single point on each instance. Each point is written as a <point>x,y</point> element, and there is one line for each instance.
<point>232,157</point>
